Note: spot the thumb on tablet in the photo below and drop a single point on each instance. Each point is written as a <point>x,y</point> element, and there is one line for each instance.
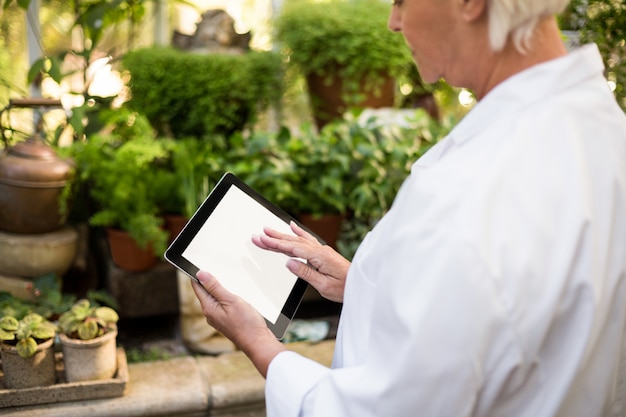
<point>212,285</point>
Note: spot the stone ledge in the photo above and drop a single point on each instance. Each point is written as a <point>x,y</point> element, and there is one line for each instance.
<point>227,385</point>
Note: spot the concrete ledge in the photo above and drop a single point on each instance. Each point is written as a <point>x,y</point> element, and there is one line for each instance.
<point>227,385</point>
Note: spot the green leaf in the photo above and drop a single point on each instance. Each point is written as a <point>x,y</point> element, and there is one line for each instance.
<point>81,309</point>
<point>45,330</point>
<point>36,69</point>
<point>24,4</point>
<point>4,335</point>
<point>68,323</point>
<point>107,314</point>
<point>55,69</point>
<point>76,120</point>
<point>88,330</point>
<point>32,320</point>
<point>8,323</point>
<point>26,347</point>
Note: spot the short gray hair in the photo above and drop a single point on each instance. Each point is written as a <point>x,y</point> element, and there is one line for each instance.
<point>518,19</point>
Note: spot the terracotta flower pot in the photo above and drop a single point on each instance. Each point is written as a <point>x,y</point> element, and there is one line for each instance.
<point>327,226</point>
<point>174,224</point>
<point>328,103</point>
<point>36,371</point>
<point>87,360</point>
<point>127,254</point>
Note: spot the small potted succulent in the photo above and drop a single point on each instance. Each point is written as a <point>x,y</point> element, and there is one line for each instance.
<point>27,351</point>
<point>88,336</point>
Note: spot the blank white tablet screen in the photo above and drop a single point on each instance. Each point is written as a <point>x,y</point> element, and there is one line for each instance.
<point>223,247</point>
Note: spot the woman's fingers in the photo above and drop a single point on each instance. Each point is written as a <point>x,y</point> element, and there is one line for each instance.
<point>319,265</point>
<point>302,233</point>
<point>294,246</point>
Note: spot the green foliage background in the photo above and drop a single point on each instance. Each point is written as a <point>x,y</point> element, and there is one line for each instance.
<point>185,94</point>
<point>603,22</point>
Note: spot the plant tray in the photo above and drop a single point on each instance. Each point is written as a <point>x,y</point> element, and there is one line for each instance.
<point>64,391</point>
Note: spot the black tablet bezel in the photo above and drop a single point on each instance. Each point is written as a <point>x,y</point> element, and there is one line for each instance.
<point>174,252</point>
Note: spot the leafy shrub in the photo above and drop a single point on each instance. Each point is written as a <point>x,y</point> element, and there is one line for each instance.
<point>604,23</point>
<point>185,94</point>
<point>119,171</point>
<point>350,38</point>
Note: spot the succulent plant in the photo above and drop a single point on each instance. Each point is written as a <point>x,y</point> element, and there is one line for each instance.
<point>27,333</point>
<point>85,321</point>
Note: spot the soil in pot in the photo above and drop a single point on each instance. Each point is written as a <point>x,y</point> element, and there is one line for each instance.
<point>87,360</point>
<point>36,371</point>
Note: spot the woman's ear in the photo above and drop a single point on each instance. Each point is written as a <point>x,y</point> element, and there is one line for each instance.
<point>473,10</point>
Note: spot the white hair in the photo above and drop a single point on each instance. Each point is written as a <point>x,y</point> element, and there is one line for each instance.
<point>518,18</point>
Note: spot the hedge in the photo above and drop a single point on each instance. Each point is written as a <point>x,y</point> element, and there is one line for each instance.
<point>187,94</point>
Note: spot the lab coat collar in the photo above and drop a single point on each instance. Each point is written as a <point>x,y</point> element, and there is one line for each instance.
<point>518,92</point>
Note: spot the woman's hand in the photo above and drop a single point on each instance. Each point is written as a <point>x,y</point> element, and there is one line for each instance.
<point>325,270</point>
<point>237,320</point>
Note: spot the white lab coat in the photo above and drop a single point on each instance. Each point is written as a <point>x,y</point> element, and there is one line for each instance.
<point>495,286</point>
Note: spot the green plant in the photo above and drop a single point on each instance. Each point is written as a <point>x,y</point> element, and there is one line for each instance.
<point>47,299</point>
<point>261,160</point>
<point>14,306</point>
<point>26,333</point>
<point>184,178</point>
<point>196,166</point>
<point>86,321</point>
<point>603,22</point>
<point>380,155</point>
<point>356,165</point>
<point>98,28</point>
<point>194,95</point>
<point>320,171</point>
<point>150,354</point>
<point>118,170</point>
<point>348,38</point>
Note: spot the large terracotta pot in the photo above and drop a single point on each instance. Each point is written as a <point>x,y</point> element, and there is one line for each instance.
<point>87,360</point>
<point>327,226</point>
<point>36,371</point>
<point>174,224</point>
<point>328,104</point>
<point>32,178</point>
<point>127,254</point>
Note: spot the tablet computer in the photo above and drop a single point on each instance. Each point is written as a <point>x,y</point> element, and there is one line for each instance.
<point>218,239</point>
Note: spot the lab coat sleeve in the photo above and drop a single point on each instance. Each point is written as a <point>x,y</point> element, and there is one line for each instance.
<point>427,348</point>
<point>289,378</point>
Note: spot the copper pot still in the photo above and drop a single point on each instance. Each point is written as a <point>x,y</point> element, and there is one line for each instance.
<point>32,178</point>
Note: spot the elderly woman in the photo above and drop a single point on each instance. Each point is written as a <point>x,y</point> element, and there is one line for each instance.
<point>496,284</point>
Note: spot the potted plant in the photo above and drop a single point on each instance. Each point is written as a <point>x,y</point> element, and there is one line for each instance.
<point>262,161</point>
<point>88,338</point>
<point>184,181</point>
<point>320,176</point>
<point>380,154</point>
<point>119,172</point>
<point>27,351</point>
<point>345,47</point>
